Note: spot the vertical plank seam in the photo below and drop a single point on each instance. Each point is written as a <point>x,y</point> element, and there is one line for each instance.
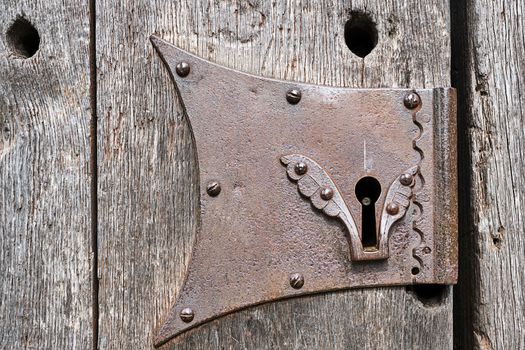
<point>463,294</point>
<point>94,171</point>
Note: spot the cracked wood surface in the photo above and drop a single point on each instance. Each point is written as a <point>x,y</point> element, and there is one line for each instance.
<point>45,249</point>
<point>491,79</point>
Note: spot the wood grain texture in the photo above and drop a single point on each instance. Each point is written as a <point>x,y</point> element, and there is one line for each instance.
<point>147,175</point>
<point>45,251</point>
<point>491,77</point>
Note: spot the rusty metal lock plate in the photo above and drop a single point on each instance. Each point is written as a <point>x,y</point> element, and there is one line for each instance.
<point>307,189</point>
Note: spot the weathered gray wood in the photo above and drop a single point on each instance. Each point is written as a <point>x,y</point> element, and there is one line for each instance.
<point>490,59</point>
<point>45,250</point>
<point>147,173</point>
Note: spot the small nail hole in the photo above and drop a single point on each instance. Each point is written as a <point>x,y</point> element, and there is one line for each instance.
<point>360,33</point>
<point>415,271</point>
<point>430,295</point>
<point>22,38</point>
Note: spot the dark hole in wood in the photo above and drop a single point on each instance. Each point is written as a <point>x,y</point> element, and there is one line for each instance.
<point>430,294</point>
<point>22,38</point>
<point>367,191</point>
<point>360,34</point>
<point>415,271</point>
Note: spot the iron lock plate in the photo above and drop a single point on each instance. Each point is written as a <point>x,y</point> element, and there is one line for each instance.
<point>280,166</point>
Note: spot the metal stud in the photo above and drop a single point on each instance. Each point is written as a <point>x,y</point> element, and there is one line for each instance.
<point>327,193</point>
<point>301,168</point>
<point>186,315</point>
<point>392,208</point>
<point>297,281</point>
<point>293,96</point>
<point>412,100</point>
<point>366,201</point>
<point>406,179</point>
<point>213,188</point>
<point>183,69</point>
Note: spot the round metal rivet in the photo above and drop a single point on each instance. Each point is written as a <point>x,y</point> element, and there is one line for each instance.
<point>301,168</point>
<point>412,100</point>
<point>213,188</point>
<point>392,208</point>
<point>187,315</point>
<point>427,250</point>
<point>366,201</point>
<point>293,96</point>
<point>297,281</point>
<point>406,179</point>
<point>183,69</point>
<point>327,193</point>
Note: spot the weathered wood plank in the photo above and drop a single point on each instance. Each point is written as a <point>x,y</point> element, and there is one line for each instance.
<point>491,77</point>
<point>45,249</point>
<point>148,194</point>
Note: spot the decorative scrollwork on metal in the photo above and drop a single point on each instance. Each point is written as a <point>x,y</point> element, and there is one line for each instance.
<point>314,182</point>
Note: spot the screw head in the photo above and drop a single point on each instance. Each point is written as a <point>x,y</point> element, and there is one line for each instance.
<point>392,208</point>
<point>427,250</point>
<point>412,100</point>
<point>186,315</point>
<point>366,201</point>
<point>183,69</point>
<point>327,193</point>
<point>213,188</point>
<point>301,168</point>
<point>296,281</point>
<point>293,96</point>
<point>406,179</point>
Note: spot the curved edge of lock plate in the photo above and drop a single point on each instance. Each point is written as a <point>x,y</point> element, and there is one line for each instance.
<point>205,296</point>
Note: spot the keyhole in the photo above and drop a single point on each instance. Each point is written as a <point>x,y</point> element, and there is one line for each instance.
<point>367,191</point>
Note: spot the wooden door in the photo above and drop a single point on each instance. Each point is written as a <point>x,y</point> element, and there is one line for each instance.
<point>98,198</point>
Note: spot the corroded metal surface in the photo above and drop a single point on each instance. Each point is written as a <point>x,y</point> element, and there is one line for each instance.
<point>279,162</point>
